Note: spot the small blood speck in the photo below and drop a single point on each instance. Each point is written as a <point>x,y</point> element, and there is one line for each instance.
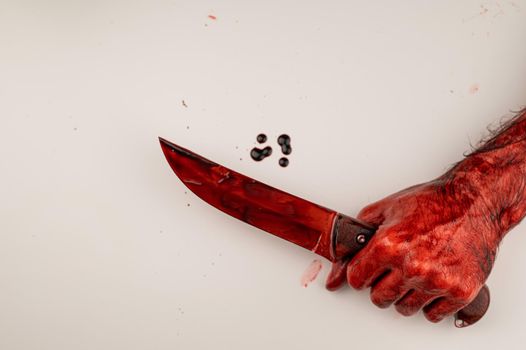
<point>212,17</point>
<point>311,273</point>
<point>474,89</point>
<point>184,104</point>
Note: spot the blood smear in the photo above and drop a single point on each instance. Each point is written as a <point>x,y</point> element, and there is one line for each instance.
<point>474,89</point>
<point>311,273</point>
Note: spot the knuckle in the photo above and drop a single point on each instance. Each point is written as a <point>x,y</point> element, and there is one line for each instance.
<point>438,281</point>
<point>372,211</point>
<point>463,293</point>
<point>369,209</point>
<point>418,269</point>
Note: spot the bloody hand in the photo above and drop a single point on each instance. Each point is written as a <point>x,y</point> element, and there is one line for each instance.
<point>436,242</point>
<point>427,252</point>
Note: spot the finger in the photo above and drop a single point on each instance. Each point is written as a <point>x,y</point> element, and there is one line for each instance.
<point>365,274</point>
<point>337,275</point>
<point>373,213</point>
<point>368,264</point>
<point>441,308</point>
<point>388,289</point>
<point>413,301</point>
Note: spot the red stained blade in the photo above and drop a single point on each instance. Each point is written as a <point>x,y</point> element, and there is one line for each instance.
<point>282,214</point>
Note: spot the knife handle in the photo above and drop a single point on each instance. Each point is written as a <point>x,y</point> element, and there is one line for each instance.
<point>350,235</point>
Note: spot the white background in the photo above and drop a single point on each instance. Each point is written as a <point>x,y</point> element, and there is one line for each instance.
<point>98,248</point>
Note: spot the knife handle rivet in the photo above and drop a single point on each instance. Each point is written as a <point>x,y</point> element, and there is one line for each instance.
<point>360,239</point>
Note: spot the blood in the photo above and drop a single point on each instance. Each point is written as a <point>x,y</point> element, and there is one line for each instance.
<point>258,154</point>
<point>212,17</point>
<point>311,273</point>
<point>261,138</point>
<point>283,162</point>
<point>277,212</point>
<point>284,142</point>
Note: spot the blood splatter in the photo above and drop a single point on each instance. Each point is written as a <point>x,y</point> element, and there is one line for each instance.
<point>212,17</point>
<point>261,138</point>
<point>259,154</point>
<point>474,89</point>
<point>311,273</point>
<point>284,142</point>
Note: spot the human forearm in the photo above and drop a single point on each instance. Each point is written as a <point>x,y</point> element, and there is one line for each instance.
<point>436,242</point>
<point>494,176</point>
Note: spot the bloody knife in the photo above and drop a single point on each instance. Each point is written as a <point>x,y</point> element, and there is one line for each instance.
<point>335,236</point>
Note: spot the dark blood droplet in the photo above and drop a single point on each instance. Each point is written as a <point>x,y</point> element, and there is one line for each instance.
<point>259,154</point>
<point>256,154</point>
<point>283,162</point>
<point>284,142</point>
<point>267,151</point>
<point>261,138</point>
<point>286,149</point>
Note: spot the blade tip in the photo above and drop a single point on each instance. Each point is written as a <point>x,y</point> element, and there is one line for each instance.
<point>167,144</point>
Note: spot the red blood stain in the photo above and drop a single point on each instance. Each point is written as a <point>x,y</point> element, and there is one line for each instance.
<point>311,273</point>
<point>212,17</point>
<point>474,89</point>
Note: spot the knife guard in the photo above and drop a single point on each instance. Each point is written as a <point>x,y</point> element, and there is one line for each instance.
<point>349,236</point>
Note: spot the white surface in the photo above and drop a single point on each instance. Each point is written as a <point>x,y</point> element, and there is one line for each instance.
<point>98,249</point>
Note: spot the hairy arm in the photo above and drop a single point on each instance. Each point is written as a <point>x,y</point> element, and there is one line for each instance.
<point>497,170</point>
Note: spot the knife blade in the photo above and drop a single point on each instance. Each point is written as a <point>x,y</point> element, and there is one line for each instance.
<point>324,231</point>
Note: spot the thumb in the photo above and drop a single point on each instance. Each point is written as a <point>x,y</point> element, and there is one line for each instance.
<point>373,214</point>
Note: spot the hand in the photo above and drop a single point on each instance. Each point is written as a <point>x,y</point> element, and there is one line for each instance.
<point>434,248</point>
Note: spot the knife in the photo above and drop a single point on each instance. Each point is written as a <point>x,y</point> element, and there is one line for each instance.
<point>333,235</point>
